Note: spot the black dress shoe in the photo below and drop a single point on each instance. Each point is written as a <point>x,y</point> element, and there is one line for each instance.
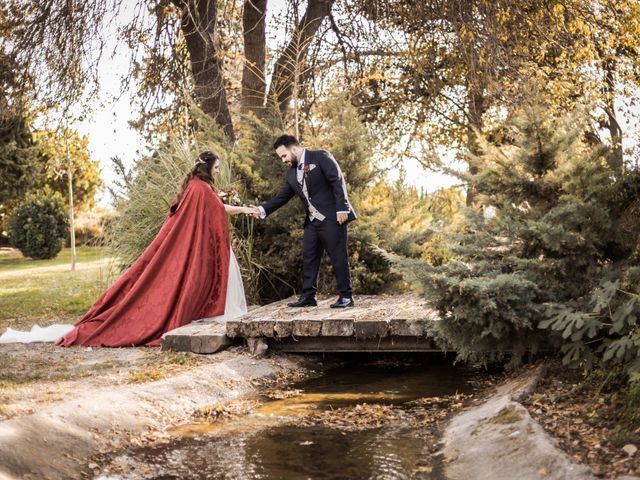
<point>343,302</point>
<point>304,302</point>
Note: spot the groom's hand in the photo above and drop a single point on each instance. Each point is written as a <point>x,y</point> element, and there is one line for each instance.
<point>255,212</point>
<point>342,217</point>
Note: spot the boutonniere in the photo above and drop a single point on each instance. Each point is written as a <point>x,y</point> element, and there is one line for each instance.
<point>307,168</point>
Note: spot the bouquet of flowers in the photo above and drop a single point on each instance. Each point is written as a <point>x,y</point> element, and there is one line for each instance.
<point>230,197</point>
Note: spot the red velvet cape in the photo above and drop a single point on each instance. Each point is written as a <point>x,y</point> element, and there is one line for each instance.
<point>181,276</point>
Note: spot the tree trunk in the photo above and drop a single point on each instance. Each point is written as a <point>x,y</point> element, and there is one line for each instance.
<point>72,227</point>
<point>476,80</point>
<point>288,63</point>
<point>199,28</point>
<point>476,108</point>
<point>253,82</point>
<point>616,160</point>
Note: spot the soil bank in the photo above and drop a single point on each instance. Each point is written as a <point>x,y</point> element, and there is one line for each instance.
<point>58,439</point>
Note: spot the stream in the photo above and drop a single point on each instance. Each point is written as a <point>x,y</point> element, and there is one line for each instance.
<point>377,420</point>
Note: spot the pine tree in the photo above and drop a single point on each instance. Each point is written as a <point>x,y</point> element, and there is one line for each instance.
<point>540,239</point>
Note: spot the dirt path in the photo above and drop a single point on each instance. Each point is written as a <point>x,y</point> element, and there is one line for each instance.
<point>38,374</point>
<point>61,406</point>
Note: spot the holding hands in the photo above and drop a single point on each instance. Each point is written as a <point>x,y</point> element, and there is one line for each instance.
<point>238,210</point>
<point>253,211</point>
<point>233,204</point>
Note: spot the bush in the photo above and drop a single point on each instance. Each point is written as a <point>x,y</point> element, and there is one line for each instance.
<point>269,252</point>
<point>143,197</point>
<point>557,264</point>
<point>90,226</point>
<point>540,254</point>
<point>38,226</point>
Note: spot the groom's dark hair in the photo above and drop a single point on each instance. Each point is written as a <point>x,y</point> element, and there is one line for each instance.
<point>285,141</point>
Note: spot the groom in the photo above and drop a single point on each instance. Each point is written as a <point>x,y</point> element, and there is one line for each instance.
<point>315,176</point>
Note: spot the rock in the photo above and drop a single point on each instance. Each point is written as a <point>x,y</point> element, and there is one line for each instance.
<point>498,440</point>
<point>257,346</point>
<point>283,328</point>
<point>336,327</point>
<point>371,329</point>
<point>307,328</point>
<point>630,449</point>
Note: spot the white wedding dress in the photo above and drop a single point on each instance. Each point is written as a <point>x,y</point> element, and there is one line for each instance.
<point>236,303</point>
<point>235,306</point>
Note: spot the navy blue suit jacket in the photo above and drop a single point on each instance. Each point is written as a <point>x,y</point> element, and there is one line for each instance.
<point>325,184</point>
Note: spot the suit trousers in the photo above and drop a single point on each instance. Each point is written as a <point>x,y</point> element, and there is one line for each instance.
<point>331,237</point>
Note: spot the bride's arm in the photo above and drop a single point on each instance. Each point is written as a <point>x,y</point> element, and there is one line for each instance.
<point>233,210</point>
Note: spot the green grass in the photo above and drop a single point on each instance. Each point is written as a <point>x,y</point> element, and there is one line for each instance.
<point>46,291</point>
<point>18,262</point>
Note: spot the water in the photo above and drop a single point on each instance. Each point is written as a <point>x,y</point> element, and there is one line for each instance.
<point>353,422</point>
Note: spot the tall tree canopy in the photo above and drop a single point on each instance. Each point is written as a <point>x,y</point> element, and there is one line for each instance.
<point>176,45</point>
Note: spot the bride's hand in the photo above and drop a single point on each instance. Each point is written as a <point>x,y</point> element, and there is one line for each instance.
<point>252,211</point>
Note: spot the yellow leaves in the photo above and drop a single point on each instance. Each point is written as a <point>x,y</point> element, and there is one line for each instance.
<point>358,417</point>
<point>584,54</point>
<point>213,413</point>
<point>146,375</point>
<point>558,11</point>
<point>579,26</point>
<point>503,16</point>
<point>465,34</point>
<point>373,76</point>
<point>54,146</point>
<point>229,55</point>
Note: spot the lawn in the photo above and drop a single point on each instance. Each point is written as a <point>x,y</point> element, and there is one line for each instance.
<point>46,291</point>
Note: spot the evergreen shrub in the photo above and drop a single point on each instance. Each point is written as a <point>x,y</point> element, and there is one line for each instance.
<point>38,226</point>
<point>523,277</point>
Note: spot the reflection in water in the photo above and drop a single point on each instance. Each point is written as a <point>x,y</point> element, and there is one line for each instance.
<point>274,441</point>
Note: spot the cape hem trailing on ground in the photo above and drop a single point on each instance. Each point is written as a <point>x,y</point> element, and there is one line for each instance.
<point>181,276</point>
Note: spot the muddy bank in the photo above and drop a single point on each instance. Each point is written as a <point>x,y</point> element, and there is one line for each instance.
<point>498,440</point>
<point>93,416</point>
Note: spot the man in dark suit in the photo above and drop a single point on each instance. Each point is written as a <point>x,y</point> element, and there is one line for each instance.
<point>315,176</point>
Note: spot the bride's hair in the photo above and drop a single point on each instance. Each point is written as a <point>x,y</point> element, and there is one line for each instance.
<point>202,169</point>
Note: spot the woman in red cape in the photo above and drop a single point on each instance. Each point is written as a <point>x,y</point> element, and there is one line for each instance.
<point>182,275</point>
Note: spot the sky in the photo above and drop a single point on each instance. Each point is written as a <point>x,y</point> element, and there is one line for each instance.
<point>109,133</point>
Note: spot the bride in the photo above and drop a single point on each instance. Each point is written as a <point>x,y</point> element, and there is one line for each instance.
<point>188,272</point>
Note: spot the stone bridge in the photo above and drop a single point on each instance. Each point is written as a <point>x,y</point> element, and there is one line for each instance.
<point>378,323</point>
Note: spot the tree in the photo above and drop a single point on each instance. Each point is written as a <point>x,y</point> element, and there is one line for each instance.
<point>254,85</point>
<point>85,171</point>
<point>545,243</point>
<point>66,41</point>
<point>17,148</point>
<point>413,222</point>
<point>454,65</point>
<point>286,73</point>
<point>199,27</point>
